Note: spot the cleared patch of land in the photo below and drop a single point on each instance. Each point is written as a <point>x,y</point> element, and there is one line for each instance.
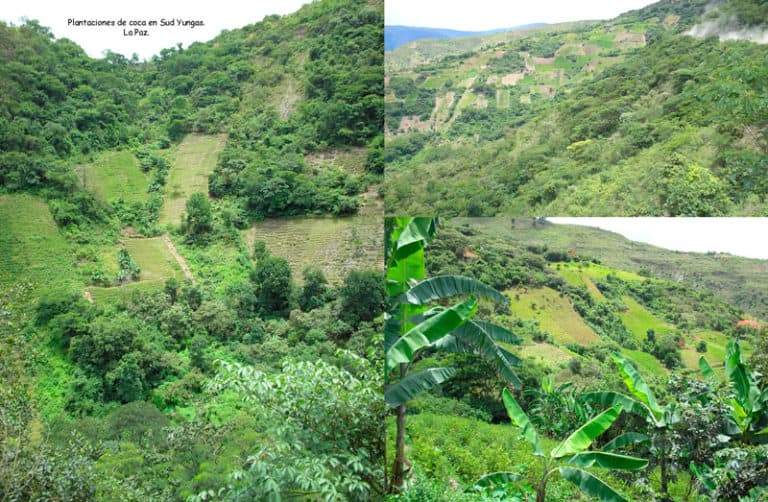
<point>32,251</point>
<point>156,262</point>
<point>336,245</point>
<point>554,313</point>
<point>546,353</point>
<point>194,160</point>
<point>639,320</point>
<point>113,175</point>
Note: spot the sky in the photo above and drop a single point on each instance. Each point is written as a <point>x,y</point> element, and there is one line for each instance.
<point>479,15</point>
<point>738,236</point>
<point>217,16</point>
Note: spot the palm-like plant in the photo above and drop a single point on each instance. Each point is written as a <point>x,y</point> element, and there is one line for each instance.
<point>749,401</point>
<point>573,450</point>
<point>411,326</point>
<point>642,402</point>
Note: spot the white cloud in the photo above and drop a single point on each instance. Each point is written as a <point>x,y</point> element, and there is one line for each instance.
<point>480,15</point>
<point>217,16</point>
<point>738,236</point>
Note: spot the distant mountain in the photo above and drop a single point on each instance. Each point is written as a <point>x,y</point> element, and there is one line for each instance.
<point>395,36</point>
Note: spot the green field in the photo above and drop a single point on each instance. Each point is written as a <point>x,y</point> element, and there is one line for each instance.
<point>336,245</point>
<point>32,251</point>
<point>194,160</point>
<point>578,276</point>
<point>639,320</point>
<point>554,313</point>
<point>546,353</point>
<point>646,363</point>
<point>156,262</point>
<point>115,175</point>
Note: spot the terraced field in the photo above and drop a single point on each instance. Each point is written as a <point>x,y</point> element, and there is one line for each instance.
<point>194,160</point>
<point>336,245</point>
<point>554,313</point>
<point>115,174</point>
<point>32,251</point>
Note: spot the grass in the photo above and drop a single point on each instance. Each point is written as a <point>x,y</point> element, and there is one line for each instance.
<point>336,245</point>
<point>32,251</point>
<point>646,363</point>
<point>577,276</point>
<point>554,313</point>
<point>156,262</point>
<point>194,160</point>
<point>639,320</point>
<point>116,294</point>
<point>154,259</point>
<point>546,353</point>
<point>113,175</point>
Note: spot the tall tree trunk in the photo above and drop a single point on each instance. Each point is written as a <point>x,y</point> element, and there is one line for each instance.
<point>398,471</point>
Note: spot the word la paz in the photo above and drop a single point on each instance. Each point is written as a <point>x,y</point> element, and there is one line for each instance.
<point>135,33</point>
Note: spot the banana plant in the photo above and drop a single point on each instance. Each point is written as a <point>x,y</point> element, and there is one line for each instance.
<point>574,451</point>
<point>643,402</point>
<point>749,402</point>
<point>411,325</point>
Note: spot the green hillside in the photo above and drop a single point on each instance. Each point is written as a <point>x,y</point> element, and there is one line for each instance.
<point>584,330</point>
<point>630,116</point>
<point>34,255</point>
<point>137,324</point>
<point>740,281</point>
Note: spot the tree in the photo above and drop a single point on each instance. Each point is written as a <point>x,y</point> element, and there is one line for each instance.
<point>363,297</point>
<point>411,327</point>
<point>324,424</point>
<point>272,285</point>
<point>198,222</point>
<point>315,289</point>
<point>573,450</point>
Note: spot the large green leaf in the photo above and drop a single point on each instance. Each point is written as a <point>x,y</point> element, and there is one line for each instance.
<point>636,385</point>
<point>586,434</point>
<point>591,485</point>
<point>404,390</point>
<point>475,335</point>
<point>607,461</point>
<point>520,419</point>
<point>497,478</point>
<point>613,398</point>
<point>740,377</point>
<point>498,333</point>
<point>418,229</point>
<point>626,439</point>
<point>708,372</point>
<point>429,331</point>
<point>445,286</point>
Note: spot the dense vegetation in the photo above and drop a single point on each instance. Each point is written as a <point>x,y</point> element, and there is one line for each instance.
<point>152,345</point>
<point>630,117</point>
<point>664,382</point>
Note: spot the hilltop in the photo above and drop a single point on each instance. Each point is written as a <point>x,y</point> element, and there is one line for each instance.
<point>631,116</point>
<point>395,36</point>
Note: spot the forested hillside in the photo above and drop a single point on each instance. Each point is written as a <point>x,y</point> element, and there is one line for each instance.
<point>632,116</point>
<point>160,337</point>
<point>618,385</point>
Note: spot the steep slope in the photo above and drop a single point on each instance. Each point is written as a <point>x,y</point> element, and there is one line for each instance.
<point>674,125</point>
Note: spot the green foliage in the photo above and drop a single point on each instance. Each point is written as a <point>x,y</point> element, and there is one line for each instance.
<point>363,297</point>
<point>272,284</point>
<point>314,292</point>
<point>199,220</point>
<point>326,439</point>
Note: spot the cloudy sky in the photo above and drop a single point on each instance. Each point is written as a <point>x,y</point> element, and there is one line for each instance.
<point>217,16</point>
<point>739,236</point>
<point>479,15</point>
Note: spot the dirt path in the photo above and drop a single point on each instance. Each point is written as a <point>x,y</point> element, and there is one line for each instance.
<point>180,259</point>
